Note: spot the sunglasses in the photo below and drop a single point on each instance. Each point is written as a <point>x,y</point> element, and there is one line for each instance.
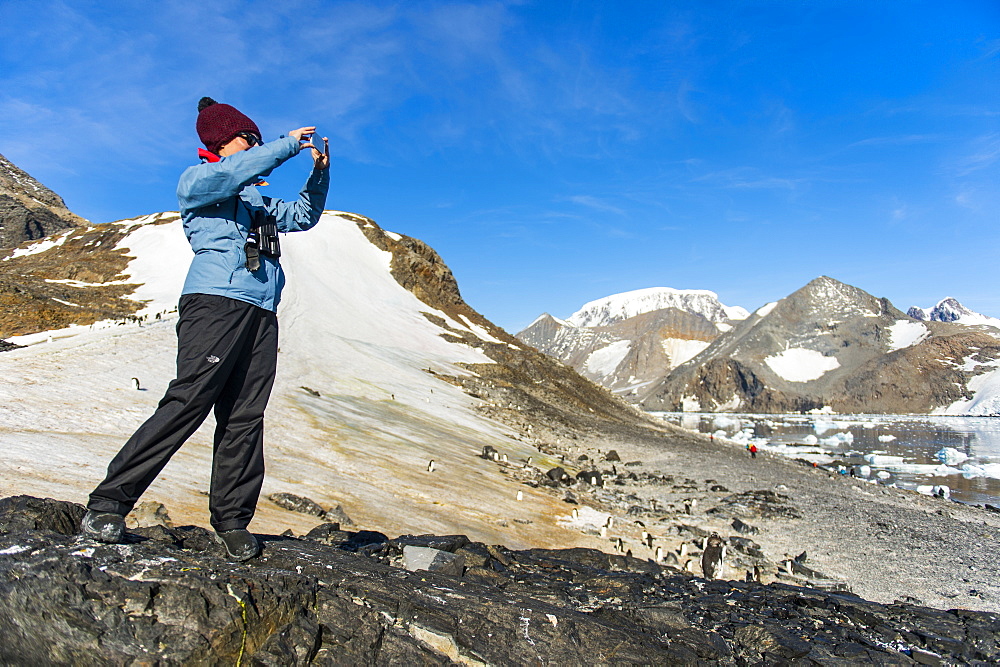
<point>251,139</point>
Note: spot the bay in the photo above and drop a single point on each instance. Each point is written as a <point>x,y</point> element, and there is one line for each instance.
<point>920,452</point>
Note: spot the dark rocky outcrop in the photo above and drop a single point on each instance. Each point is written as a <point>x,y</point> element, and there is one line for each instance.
<point>28,209</point>
<point>168,596</point>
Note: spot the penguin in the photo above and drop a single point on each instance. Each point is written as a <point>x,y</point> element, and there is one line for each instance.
<point>576,513</point>
<point>430,466</point>
<point>610,522</point>
<point>658,554</point>
<point>683,550</point>
<point>713,559</point>
<point>620,545</point>
<point>135,381</point>
<point>604,531</point>
<point>520,495</point>
<point>649,541</point>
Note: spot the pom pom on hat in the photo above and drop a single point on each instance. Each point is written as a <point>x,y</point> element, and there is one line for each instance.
<point>218,124</point>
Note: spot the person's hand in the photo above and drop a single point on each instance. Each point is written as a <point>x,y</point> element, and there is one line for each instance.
<point>321,159</point>
<point>303,135</point>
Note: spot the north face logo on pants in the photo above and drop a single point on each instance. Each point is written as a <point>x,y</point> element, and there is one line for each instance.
<point>212,359</point>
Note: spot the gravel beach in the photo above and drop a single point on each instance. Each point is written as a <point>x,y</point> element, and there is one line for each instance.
<point>886,544</point>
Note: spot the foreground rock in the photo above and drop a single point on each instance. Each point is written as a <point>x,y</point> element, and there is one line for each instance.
<point>341,597</point>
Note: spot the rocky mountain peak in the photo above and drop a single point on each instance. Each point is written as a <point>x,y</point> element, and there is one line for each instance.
<point>949,309</point>
<point>28,209</point>
<point>829,297</point>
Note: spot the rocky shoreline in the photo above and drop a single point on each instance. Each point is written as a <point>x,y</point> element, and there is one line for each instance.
<point>794,522</point>
<point>334,597</point>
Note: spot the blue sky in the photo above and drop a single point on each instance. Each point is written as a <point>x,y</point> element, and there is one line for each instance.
<point>557,152</point>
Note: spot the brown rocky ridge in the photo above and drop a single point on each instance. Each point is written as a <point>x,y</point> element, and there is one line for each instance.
<point>28,209</point>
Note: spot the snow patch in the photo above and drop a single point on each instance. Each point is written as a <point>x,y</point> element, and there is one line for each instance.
<point>985,400</point>
<point>43,245</point>
<point>605,360</point>
<point>679,350</point>
<point>905,333</point>
<point>799,364</point>
<point>766,309</point>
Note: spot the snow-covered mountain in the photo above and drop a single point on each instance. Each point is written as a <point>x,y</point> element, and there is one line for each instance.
<point>618,307</point>
<point>833,346</point>
<point>629,341</point>
<point>382,368</point>
<point>950,310</point>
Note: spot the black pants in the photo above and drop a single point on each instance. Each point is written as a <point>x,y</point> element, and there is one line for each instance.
<point>226,357</point>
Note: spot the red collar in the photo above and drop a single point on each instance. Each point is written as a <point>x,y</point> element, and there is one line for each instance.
<point>209,156</point>
<point>212,157</point>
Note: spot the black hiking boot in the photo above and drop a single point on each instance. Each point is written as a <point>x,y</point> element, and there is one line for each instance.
<point>240,543</point>
<point>103,526</point>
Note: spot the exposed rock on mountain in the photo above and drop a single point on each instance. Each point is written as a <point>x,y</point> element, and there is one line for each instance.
<point>831,345</point>
<point>28,209</point>
<point>950,310</point>
<point>74,277</point>
<point>336,597</point>
<point>629,341</point>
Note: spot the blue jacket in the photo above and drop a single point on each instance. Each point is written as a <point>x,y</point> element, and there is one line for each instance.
<point>216,200</point>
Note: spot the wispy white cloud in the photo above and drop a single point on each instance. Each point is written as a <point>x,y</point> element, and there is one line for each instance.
<point>900,140</point>
<point>596,204</point>
<point>748,178</point>
<point>983,152</point>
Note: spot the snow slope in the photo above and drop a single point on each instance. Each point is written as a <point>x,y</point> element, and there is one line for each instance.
<point>354,416</point>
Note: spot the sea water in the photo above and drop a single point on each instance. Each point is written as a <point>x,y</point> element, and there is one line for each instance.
<point>919,452</point>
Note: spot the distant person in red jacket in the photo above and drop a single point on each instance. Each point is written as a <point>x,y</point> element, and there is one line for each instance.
<point>753,451</point>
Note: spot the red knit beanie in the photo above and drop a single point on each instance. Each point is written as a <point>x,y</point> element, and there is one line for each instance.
<point>218,124</point>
